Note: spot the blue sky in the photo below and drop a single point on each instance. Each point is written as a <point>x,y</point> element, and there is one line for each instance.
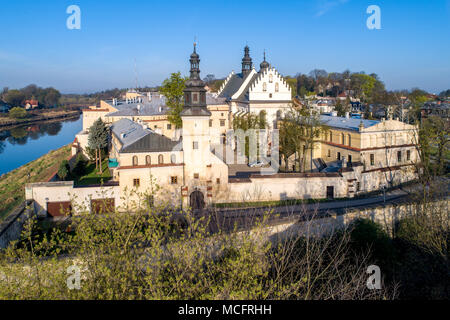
<point>412,49</point>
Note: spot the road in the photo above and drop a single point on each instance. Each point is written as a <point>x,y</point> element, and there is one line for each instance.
<point>243,218</point>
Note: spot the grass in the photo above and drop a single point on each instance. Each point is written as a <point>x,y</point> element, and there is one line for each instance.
<point>12,184</point>
<point>92,176</point>
<point>280,203</point>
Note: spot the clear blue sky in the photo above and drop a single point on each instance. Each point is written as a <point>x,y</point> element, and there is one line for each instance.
<point>411,50</point>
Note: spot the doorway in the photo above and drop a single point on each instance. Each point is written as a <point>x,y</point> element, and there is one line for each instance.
<point>197,201</point>
<point>330,192</point>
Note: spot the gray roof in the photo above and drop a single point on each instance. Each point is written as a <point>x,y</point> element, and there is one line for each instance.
<point>245,94</point>
<point>347,123</point>
<point>128,131</point>
<point>232,86</point>
<point>135,138</point>
<point>155,106</point>
<point>212,100</point>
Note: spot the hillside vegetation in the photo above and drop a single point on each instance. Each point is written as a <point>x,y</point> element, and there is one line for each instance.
<point>12,184</point>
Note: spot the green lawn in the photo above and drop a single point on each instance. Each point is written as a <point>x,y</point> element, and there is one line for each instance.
<point>92,176</point>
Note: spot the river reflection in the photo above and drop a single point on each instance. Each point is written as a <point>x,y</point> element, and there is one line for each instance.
<point>23,144</point>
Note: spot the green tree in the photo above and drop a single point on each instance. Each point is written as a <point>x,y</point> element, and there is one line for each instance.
<point>98,140</point>
<point>172,89</point>
<point>306,131</point>
<point>17,113</point>
<point>14,98</point>
<point>64,169</point>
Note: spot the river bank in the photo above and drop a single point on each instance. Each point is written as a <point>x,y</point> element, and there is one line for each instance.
<point>8,123</point>
<point>12,184</point>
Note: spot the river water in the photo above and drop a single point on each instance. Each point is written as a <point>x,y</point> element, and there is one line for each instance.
<point>23,144</point>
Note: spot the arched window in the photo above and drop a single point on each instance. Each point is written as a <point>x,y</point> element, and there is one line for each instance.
<point>264,87</point>
<point>331,136</point>
<point>349,139</point>
<point>148,160</point>
<point>277,87</point>
<point>343,138</point>
<point>270,78</point>
<point>160,159</point>
<point>173,158</point>
<point>135,160</point>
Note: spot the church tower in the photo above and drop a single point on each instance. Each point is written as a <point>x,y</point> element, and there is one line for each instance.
<point>196,138</point>
<point>264,65</point>
<point>247,64</point>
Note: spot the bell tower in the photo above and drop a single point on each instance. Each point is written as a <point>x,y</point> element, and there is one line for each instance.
<point>246,62</point>
<point>196,134</point>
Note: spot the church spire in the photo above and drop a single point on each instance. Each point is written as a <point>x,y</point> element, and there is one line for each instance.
<point>264,64</point>
<point>246,61</point>
<point>195,64</point>
<point>194,91</point>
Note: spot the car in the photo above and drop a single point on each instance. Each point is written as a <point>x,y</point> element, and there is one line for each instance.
<point>255,164</point>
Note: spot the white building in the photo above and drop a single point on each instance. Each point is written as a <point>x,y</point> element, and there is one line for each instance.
<point>253,91</point>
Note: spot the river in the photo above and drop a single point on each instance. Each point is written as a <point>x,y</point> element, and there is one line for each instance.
<point>23,144</point>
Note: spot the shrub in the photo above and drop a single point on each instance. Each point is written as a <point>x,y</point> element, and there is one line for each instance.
<point>368,234</point>
<point>17,113</point>
<point>80,165</point>
<point>64,170</point>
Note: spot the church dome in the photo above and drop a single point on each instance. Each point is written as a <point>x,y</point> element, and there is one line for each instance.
<point>264,64</point>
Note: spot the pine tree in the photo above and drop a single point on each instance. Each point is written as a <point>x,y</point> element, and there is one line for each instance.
<point>98,140</point>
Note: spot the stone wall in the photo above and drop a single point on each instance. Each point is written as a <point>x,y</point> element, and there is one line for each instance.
<point>385,215</point>
<point>11,227</point>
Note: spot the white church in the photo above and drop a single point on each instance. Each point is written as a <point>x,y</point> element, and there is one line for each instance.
<point>253,91</point>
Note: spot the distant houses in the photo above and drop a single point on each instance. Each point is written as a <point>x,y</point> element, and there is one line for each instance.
<point>31,104</point>
<point>4,107</point>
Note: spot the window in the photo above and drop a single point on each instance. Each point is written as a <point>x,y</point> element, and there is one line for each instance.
<point>222,123</point>
<point>408,155</point>
<point>349,139</point>
<point>338,156</point>
<point>329,153</point>
<point>343,138</point>
<point>136,182</point>
<point>195,97</point>
<point>210,123</point>
<point>195,145</point>
<point>173,158</point>
<point>277,87</point>
<point>264,87</point>
<point>331,136</point>
<point>270,78</point>
<point>399,156</point>
<point>196,175</point>
<point>160,159</point>
<point>358,186</point>
<point>218,180</point>
<point>174,180</point>
<point>135,160</point>
<point>270,95</point>
<point>169,126</point>
<point>148,160</point>
<point>372,159</point>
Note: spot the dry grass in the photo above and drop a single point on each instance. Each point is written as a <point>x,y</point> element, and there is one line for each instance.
<point>12,184</point>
